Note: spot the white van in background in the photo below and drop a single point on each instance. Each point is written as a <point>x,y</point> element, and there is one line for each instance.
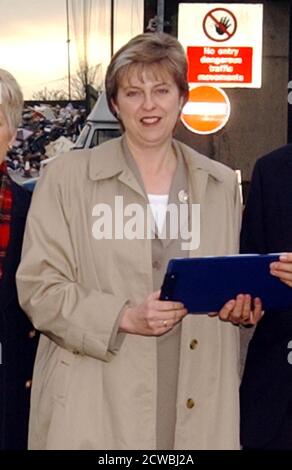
<point>101,125</point>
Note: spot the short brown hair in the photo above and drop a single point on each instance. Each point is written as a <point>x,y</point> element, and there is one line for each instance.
<point>11,99</point>
<point>147,49</point>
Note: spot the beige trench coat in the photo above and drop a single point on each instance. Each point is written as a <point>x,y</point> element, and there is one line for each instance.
<point>93,389</point>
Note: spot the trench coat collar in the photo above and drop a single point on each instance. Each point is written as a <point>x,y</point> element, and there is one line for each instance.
<point>200,169</point>
<point>108,160</point>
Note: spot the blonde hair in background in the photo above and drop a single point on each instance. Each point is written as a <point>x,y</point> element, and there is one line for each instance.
<point>11,99</point>
<point>161,51</point>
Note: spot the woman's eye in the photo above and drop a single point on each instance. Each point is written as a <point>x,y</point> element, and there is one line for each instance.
<point>132,93</point>
<point>162,91</point>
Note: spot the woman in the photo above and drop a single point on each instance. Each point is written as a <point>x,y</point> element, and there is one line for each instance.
<point>18,338</point>
<point>116,367</point>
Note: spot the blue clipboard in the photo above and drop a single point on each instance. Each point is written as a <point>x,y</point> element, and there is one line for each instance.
<point>206,284</point>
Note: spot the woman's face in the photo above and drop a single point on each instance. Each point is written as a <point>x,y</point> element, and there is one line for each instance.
<point>148,103</point>
<point>5,135</point>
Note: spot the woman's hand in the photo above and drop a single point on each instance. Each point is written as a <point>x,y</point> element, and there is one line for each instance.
<point>283,268</point>
<point>153,317</point>
<point>240,311</point>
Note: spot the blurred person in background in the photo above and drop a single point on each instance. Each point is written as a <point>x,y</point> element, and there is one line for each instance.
<point>266,389</point>
<point>17,336</point>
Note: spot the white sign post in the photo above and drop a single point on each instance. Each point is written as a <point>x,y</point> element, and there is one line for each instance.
<point>223,42</point>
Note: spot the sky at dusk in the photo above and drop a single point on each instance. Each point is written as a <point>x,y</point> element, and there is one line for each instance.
<point>33,35</point>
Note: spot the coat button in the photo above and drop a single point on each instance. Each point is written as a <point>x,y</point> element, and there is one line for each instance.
<point>156,265</point>
<point>193,344</point>
<point>28,384</point>
<point>32,334</point>
<point>190,403</point>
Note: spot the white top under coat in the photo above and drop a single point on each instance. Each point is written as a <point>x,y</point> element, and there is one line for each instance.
<point>158,204</point>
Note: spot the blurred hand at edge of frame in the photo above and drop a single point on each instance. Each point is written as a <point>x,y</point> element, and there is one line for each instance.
<point>241,311</point>
<point>283,268</point>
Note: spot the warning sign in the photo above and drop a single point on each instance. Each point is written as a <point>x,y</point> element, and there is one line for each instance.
<point>219,24</point>
<point>223,45</point>
<point>220,64</point>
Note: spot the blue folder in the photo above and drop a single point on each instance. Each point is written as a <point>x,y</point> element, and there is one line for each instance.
<point>206,284</point>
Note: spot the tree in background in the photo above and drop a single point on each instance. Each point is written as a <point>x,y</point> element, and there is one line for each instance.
<point>86,76</point>
<point>46,94</point>
<point>79,82</point>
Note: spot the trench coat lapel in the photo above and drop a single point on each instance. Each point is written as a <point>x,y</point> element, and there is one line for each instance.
<point>199,170</point>
<point>113,163</point>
